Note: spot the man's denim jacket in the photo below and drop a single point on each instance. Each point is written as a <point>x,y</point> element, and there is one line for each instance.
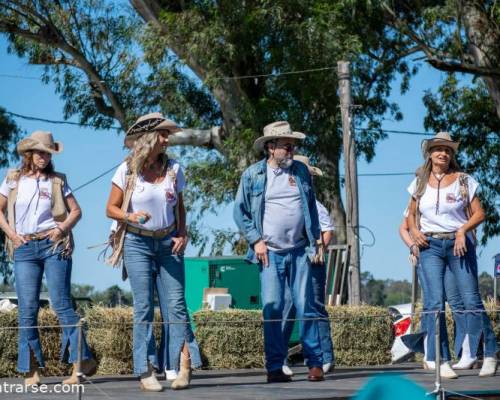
<point>249,204</point>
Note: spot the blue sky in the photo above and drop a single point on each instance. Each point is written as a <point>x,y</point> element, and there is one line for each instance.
<point>88,153</point>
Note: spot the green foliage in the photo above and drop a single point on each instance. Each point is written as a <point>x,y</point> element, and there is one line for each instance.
<point>486,285</point>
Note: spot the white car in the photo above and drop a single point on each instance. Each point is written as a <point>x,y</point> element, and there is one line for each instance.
<point>401,315</point>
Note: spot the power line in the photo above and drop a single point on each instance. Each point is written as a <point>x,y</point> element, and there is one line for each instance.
<point>396,131</point>
<point>52,121</point>
<point>19,77</point>
<point>96,178</point>
<point>275,74</point>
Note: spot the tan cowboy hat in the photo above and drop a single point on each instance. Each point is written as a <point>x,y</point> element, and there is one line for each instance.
<point>149,123</point>
<point>277,130</point>
<point>441,139</point>
<point>40,140</point>
<point>312,170</point>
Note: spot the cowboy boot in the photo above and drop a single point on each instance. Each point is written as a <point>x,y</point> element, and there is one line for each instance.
<point>88,368</point>
<point>184,376</point>
<point>149,383</point>
<point>32,378</point>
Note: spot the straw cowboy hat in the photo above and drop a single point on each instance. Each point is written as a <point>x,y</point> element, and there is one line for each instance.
<point>312,170</point>
<point>441,139</point>
<point>149,123</point>
<point>40,140</point>
<point>277,130</point>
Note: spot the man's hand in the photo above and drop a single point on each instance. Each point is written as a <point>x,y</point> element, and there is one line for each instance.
<point>260,249</point>
<point>319,257</point>
<point>180,244</point>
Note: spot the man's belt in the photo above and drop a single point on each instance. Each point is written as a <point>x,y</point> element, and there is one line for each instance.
<point>36,236</point>
<point>158,234</point>
<point>441,235</point>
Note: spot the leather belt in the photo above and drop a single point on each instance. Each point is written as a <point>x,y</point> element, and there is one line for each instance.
<point>36,236</point>
<point>441,235</point>
<point>158,234</point>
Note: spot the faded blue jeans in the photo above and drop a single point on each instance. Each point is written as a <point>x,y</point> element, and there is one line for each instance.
<point>288,268</point>
<point>436,261</point>
<point>31,261</point>
<point>318,276</point>
<point>151,265</point>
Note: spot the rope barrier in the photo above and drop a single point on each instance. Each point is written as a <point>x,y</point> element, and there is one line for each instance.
<point>251,321</point>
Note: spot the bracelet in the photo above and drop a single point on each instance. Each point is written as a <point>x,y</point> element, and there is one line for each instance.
<point>413,245</point>
<point>125,218</point>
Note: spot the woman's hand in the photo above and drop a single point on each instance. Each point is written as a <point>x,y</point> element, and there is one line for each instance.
<point>180,244</point>
<point>260,249</point>
<point>460,248</point>
<point>17,240</point>
<point>419,238</point>
<point>55,234</point>
<point>139,217</point>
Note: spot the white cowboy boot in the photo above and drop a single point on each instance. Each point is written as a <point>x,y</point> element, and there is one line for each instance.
<point>287,370</point>
<point>184,376</point>
<point>447,372</point>
<point>466,361</point>
<point>489,367</point>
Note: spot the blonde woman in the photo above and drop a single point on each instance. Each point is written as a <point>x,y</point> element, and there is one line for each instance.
<point>41,212</point>
<point>146,201</point>
<point>444,211</point>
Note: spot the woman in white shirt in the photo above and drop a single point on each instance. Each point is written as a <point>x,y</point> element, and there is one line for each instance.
<point>444,211</point>
<point>146,200</point>
<point>41,212</point>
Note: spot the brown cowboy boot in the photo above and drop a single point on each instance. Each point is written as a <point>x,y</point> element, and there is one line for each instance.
<point>184,376</point>
<point>88,368</point>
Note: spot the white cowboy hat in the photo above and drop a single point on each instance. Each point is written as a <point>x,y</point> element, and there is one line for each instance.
<point>149,123</point>
<point>312,170</point>
<point>277,130</point>
<point>40,140</point>
<point>441,139</point>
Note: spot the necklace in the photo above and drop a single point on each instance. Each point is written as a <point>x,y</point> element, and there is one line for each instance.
<point>439,179</point>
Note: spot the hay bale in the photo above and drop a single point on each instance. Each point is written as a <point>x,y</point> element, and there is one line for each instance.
<point>362,335</point>
<point>231,338</point>
<point>8,344</point>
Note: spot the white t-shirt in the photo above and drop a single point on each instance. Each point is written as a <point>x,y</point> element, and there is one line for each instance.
<point>157,199</point>
<point>325,222</point>
<point>451,215</point>
<point>33,203</point>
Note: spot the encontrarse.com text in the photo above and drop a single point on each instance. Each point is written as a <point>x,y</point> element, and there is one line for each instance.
<point>57,388</point>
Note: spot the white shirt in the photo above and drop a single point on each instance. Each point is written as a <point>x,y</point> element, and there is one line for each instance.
<point>157,199</point>
<point>451,215</point>
<point>33,207</point>
<point>283,223</point>
<point>325,222</point>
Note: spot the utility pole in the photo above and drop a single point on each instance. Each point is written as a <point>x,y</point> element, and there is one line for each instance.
<point>351,181</point>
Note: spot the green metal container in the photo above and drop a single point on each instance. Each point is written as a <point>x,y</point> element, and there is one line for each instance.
<point>231,272</point>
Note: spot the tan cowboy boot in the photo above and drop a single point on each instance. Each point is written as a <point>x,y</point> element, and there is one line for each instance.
<point>149,383</point>
<point>32,378</point>
<point>184,376</point>
<point>88,368</point>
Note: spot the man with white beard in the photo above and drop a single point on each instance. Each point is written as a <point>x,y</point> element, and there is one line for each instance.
<point>275,209</point>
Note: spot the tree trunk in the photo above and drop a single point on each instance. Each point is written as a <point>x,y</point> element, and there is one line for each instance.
<point>483,46</point>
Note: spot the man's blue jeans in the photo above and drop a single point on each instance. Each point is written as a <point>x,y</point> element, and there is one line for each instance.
<point>31,260</point>
<point>318,277</point>
<point>150,264</point>
<point>291,268</point>
<point>437,260</point>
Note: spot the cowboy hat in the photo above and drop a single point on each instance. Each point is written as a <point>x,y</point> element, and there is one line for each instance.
<point>149,123</point>
<point>40,140</point>
<point>312,170</point>
<point>277,130</point>
<point>441,139</point>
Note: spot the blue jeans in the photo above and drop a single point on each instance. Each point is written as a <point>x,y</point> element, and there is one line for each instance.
<point>318,277</point>
<point>436,261</point>
<point>288,268</point>
<point>150,264</point>
<point>31,260</point>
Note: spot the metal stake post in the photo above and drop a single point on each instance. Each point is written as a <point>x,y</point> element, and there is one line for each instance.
<point>79,359</point>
